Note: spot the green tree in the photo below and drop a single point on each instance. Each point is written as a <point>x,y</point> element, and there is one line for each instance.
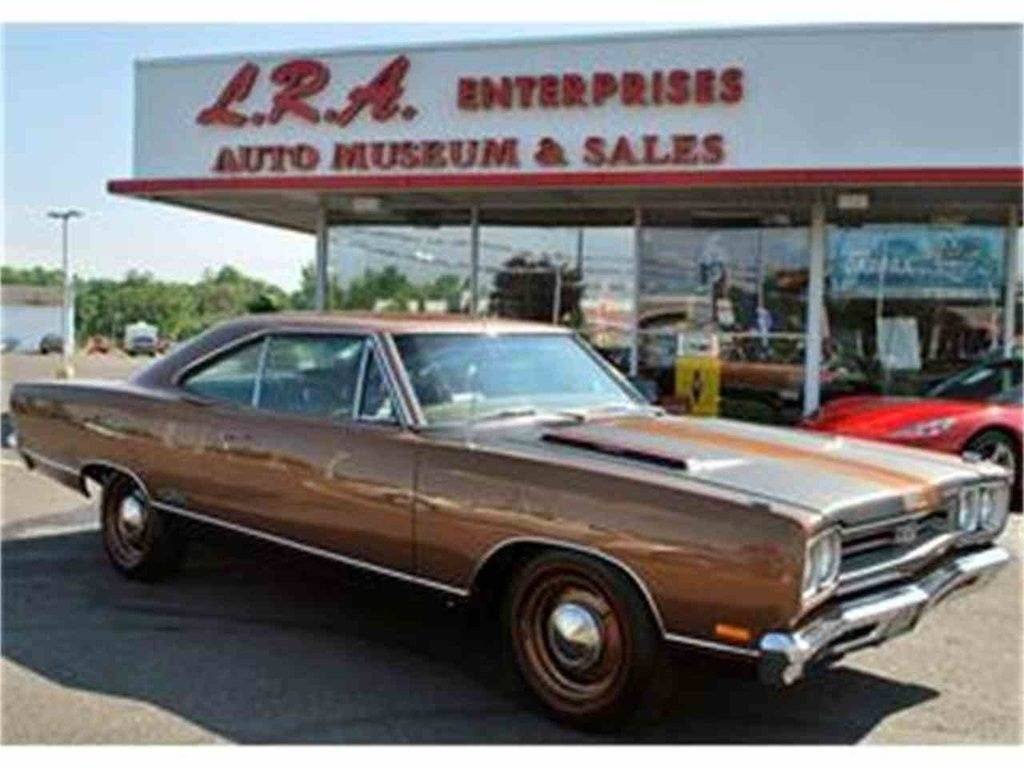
<point>35,275</point>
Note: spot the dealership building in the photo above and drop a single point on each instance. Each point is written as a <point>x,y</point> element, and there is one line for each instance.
<point>798,210</point>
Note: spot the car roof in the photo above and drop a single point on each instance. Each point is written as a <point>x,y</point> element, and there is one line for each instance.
<point>398,322</point>
<point>164,371</point>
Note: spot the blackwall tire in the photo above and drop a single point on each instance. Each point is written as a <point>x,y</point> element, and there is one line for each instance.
<point>141,542</point>
<point>582,638</point>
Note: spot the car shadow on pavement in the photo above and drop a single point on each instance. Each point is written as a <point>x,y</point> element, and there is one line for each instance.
<point>256,644</point>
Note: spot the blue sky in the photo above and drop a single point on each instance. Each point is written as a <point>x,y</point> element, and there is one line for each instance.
<point>67,130</point>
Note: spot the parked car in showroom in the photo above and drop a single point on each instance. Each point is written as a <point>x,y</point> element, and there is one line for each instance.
<point>508,464</point>
<point>977,411</point>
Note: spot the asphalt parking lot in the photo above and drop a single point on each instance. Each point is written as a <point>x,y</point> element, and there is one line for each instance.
<point>252,644</point>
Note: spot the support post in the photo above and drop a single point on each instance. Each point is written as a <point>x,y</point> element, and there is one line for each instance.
<point>815,310</point>
<point>634,330</point>
<point>579,253</point>
<point>67,301</point>
<point>474,260</point>
<point>322,233</point>
<point>1012,280</point>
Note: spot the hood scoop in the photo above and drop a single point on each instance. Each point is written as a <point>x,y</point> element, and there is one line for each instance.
<point>611,449</point>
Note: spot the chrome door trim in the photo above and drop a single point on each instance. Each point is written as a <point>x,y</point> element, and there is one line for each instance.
<point>41,459</point>
<point>459,592</point>
<point>309,549</point>
<point>710,645</point>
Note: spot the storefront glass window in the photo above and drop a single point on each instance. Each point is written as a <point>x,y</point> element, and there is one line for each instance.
<point>581,277</point>
<point>400,269</point>
<point>907,306</point>
<point>722,319</point>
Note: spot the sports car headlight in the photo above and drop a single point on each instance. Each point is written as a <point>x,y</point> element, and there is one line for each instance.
<point>931,428</point>
<point>821,564</point>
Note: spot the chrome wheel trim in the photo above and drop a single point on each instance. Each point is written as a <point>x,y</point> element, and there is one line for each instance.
<point>125,525</point>
<point>574,636</point>
<point>131,516</point>
<point>998,451</point>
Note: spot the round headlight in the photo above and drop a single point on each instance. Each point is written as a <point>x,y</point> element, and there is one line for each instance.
<point>970,509</point>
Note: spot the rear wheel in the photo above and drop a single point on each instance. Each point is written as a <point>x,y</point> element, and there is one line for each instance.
<point>1000,448</point>
<point>141,542</point>
<point>583,638</point>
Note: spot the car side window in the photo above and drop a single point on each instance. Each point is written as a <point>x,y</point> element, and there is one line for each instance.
<point>230,377</point>
<point>311,374</point>
<point>376,404</point>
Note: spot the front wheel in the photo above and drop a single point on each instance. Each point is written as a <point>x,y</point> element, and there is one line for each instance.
<point>582,636</point>
<point>141,542</point>
<point>1000,448</point>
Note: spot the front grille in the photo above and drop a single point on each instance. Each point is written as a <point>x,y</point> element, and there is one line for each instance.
<point>892,548</point>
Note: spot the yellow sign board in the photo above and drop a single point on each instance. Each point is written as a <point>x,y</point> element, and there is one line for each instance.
<point>697,384</point>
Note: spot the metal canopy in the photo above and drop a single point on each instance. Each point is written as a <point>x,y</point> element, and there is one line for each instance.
<point>297,208</point>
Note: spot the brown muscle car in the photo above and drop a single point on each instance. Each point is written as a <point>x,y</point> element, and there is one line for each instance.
<point>508,463</point>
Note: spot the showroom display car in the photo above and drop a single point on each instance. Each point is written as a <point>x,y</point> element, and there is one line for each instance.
<point>507,463</point>
<point>976,411</point>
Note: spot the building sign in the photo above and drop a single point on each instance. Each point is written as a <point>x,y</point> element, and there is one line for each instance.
<point>700,102</point>
<point>916,262</point>
<point>301,94</point>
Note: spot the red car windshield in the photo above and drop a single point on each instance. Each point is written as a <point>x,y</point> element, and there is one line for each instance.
<point>996,381</point>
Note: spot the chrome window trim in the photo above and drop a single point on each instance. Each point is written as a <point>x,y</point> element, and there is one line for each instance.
<point>405,418</point>
<point>357,398</point>
<point>411,414</point>
<point>614,373</point>
<point>261,367</point>
<point>177,380</point>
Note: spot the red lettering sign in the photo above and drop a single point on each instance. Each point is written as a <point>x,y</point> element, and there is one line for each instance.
<point>299,80</point>
<point>629,89</point>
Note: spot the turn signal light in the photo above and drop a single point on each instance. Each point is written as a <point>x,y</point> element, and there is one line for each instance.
<point>732,633</point>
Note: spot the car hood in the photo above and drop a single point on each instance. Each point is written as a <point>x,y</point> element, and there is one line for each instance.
<point>818,473</point>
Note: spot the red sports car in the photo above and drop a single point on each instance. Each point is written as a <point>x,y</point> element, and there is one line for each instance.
<point>976,411</point>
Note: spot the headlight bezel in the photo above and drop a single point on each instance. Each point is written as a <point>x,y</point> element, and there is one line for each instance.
<point>982,509</point>
<point>821,567</point>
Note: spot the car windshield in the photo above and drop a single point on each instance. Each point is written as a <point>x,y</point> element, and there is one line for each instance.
<point>994,381</point>
<point>469,377</point>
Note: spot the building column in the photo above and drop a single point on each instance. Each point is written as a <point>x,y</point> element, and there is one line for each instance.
<point>634,329</point>
<point>322,234</point>
<point>474,260</point>
<point>1012,279</point>
<point>815,310</point>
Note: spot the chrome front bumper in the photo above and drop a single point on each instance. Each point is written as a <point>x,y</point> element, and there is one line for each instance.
<point>873,618</point>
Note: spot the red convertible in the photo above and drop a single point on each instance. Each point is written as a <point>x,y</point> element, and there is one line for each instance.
<point>976,411</point>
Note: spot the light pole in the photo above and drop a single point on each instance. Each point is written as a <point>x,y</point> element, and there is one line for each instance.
<point>67,301</point>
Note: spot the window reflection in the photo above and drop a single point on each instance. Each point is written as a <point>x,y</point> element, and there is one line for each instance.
<point>908,305</point>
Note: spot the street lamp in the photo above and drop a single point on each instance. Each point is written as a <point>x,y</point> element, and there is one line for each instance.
<point>67,300</point>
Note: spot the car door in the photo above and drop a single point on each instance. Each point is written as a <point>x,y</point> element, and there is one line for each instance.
<point>319,456</point>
